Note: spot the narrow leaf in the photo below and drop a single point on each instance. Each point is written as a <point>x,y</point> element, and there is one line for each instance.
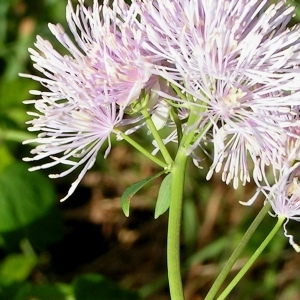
<point>133,189</point>
<point>164,196</point>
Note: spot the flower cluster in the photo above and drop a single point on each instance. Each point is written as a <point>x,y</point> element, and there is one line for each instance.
<point>225,71</point>
<point>89,88</point>
<point>239,63</point>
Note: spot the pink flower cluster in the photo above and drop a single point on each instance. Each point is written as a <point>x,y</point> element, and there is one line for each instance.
<point>88,89</point>
<point>235,64</point>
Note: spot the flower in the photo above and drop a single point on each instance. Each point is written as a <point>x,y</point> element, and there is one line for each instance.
<point>284,197</point>
<point>107,64</point>
<point>72,135</point>
<point>283,190</point>
<point>238,62</point>
<point>90,88</point>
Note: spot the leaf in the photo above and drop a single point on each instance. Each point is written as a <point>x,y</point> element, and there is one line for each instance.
<point>12,289</point>
<point>164,196</point>
<point>95,287</point>
<point>133,189</point>
<point>6,157</point>
<point>23,290</point>
<point>44,292</point>
<point>28,207</point>
<point>17,267</point>
<point>8,93</point>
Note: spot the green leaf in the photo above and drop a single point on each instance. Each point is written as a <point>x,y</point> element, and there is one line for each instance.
<point>164,196</point>
<point>15,135</point>
<point>17,267</point>
<point>10,290</point>
<point>44,292</point>
<point>6,157</point>
<point>133,189</point>
<point>28,208</point>
<point>25,291</point>
<point>9,98</point>
<point>95,287</point>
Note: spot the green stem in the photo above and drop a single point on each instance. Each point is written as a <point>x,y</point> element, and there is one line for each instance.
<point>236,253</point>
<point>164,151</point>
<point>179,92</point>
<point>140,148</point>
<point>189,133</point>
<point>178,171</point>
<point>250,262</point>
<point>175,213</point>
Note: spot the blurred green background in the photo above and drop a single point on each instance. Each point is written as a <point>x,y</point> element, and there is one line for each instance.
<point>85,248</point>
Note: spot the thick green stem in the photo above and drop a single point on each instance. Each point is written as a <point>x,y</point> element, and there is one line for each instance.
<point>178,171</point>
<point>236,253</point>
<point>175,213</point>
<point>250,262</point>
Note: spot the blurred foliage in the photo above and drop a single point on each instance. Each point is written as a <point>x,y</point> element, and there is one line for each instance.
<point>31,219</point>
<point>28,211</point>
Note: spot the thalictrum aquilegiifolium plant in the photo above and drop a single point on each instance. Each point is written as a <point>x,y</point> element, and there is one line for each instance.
<point>220,77</point>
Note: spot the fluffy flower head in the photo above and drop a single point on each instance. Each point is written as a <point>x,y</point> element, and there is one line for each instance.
<point>89,88</point>
<point>238,61</point>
